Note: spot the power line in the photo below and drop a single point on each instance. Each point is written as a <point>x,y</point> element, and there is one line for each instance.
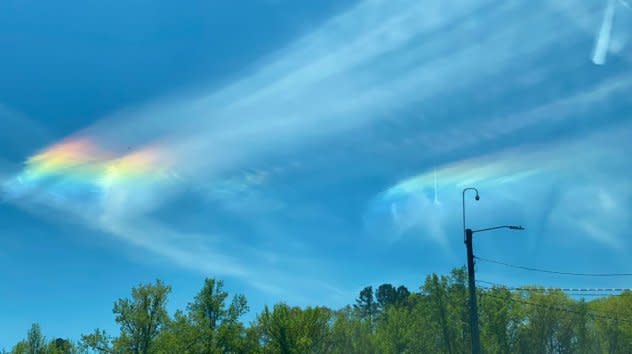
<point>556,289</point>
<point>583,294</point>
<point>552,271</point>
<point>592,313</point>
<point>508,288</point>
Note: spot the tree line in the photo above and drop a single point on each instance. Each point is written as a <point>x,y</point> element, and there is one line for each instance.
<point>386,319</point>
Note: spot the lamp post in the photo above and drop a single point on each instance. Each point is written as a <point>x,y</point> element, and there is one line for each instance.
<point>476,338</point>
<point>477,198</point>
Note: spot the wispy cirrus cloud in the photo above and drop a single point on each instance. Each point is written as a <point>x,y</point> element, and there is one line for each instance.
<point>591,191</point>
<point>357,69</point>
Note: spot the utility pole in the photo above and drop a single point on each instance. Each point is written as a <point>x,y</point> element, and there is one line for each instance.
<point>476,338</point>
<point>468,238</point>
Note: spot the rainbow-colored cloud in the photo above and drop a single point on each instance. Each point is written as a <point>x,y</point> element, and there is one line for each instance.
<point>79,165</point>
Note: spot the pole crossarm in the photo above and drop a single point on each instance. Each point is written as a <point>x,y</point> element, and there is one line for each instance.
<point>510,227</point>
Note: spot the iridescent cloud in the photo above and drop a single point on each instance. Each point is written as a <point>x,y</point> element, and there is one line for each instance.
<point>583,174</point>
<point>76,165</point>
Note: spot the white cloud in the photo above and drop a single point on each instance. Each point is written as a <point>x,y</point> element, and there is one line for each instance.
<point>195,252</point>
<point>356,69</point>
<point>592,192</point>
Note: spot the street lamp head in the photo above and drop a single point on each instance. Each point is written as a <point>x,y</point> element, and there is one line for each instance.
<point>513,227</point>
<point>477,197</point>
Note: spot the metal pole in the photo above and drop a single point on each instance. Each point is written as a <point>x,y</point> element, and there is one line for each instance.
<point>463,209</point>
<point>463,205</point>
<point>476,340</point>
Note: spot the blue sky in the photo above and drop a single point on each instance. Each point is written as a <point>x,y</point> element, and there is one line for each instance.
<point>301,151</point>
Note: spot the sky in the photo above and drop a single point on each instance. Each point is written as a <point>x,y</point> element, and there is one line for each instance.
<point>303,150</point>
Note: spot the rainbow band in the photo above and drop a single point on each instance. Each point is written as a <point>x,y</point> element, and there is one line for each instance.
<point>80,163</point>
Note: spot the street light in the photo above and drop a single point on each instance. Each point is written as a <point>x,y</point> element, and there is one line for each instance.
<point>476,339</point>
<point>477,198</point>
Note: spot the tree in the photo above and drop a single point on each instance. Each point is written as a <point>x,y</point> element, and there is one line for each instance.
<point>433,320</point>
<point>97,341</point>
<point>350,334</point>
<point>60,346</point>
<point>548,322</point>
<point>402,296</point>
<point>20,347</point>
<point>394,331</point>
<point>35,342</point>
<point>614,328</point>
<point>366,305</point>
<point>448,308</point>
<point>291,330</point>
<point>385,295</point>
<point>585,329</point>
<point>177,336</point>
<point>209,325</point>
<point>216,326</point>
<point>141,318</point>
<point>500,319</point>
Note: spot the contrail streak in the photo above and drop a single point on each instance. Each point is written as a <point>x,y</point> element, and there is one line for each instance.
<point>436,198</point>
<point>603,39</point>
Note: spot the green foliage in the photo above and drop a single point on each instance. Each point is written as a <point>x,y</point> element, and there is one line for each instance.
<point>61,346</point>
<point>394,333</point>
<point>366,305</point>
<point>36,343</point>
<point>387,295</point>
<point>97,341</point>
<point>615,332</point>
<point>389,320</point>
<point>449,318</point>
<point>141,318</point>
<point>210,325</point>
<point>289,330</point>
<point>350,333</point>
<point>500,320</point>
<point>215,325</point>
